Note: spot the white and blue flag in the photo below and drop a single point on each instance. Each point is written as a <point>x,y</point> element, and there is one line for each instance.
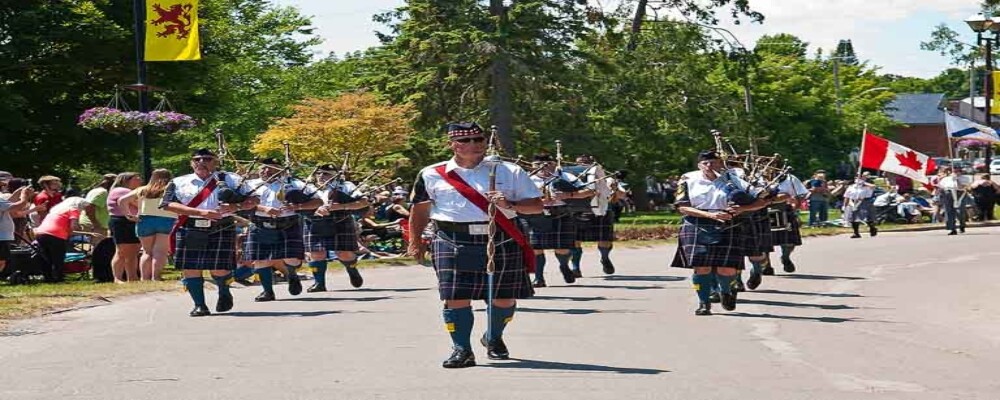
<point>961,128</point>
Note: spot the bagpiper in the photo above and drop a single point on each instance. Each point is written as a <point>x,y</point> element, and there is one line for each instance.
<point>332,227</point>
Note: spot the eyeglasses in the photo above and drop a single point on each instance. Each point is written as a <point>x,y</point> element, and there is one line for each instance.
<point>468,140</point>
<point>202,159</point>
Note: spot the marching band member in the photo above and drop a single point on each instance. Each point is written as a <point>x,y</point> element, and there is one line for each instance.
<point>332,228</point>
<point>555,229</point>
<point>275,238</point>
<point>709,242</point>
<point>951,196</point>
<point>599,225</point>
<point>456,194</point>
<point>205,230</point>
<point>858,203</point>
<point>794,192</point>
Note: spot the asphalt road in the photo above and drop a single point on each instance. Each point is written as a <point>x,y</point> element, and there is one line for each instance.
<point>899,316</point>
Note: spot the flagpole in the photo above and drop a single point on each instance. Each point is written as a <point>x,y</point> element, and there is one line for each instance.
<point>139,14</point>
<point>861,156</point>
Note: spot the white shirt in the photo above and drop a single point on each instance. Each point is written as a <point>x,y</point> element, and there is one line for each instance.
<point>346,187</point>
<point>859,192</point>
<point>183,189</point>
<point>449,205</point>
<point>272,194</point>
<point>952,182</point>
<point>793,187</point>
<point>886,199</point>
<point>705,194</point>
<point>540,181</point>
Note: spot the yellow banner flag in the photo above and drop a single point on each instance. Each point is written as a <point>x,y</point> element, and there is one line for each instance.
<point>172,30</point>
<point>995,104</point>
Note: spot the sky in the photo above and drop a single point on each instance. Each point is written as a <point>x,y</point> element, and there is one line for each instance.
<point>887,33</point>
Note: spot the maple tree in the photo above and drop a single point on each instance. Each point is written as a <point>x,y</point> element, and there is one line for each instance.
<point>909,160</point>
<point>322,130</point>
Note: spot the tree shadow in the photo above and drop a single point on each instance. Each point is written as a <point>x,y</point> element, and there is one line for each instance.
<point>775,291</point>
<point>570,298</point>
<point>362,299</point>
<point>573,311</point>
<point>617,287</point>
<point>798,305</point>
<point>644,278</point>
<point>821,277</point>
<point>399,290</point>
<point>559,366</point>
<point>279,313</point>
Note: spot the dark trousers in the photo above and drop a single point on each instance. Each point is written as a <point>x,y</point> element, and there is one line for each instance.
<point>985,208</point>
<point>53,256</point>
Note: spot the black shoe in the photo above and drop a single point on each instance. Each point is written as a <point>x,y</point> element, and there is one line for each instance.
<point>609,268</point>
<point>729,301</point>
<point>767,271</point>
<point>200,311</point>
<point>567,274</point>
<point>294,285</point>
<point>495,350</point>
<point>961,230</point>
<point>873,231</point>
<point>714,297</point>
<point>754,281</point>
<point>356,279</point>
<point>952,232</point>
<point>577,273</point>
<point>539,283</point>
<point>855,236</point>
<point>317,287</point>
<point>225,302</point>
<point>704,309</point>
<point>738,285</point>
<point>460,358</point>
<point>788,264</point>
<point>264,296</point>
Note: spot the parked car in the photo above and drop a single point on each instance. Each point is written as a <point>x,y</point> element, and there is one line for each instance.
<point>940,162</point>
<point>962,166</point>
<point>979,165</point>
<point>995,167</point>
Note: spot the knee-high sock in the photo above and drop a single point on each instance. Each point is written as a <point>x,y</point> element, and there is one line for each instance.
<point>856,226</point>
<point>196,289</point>
<point>348,264</point>
<point>243,272</point>
<point>786,250</point>
<point>756,267</point>
<point>725,283</point>
<point>293,271</point>
<point>605,252</point>
<point>563,259</point>
<point>576,254</point>
<point>499,320</point>
<point>539,267</point>
<point>703,285</point>
<point>266,278</point>
<point>319,271</point>
<point>458,322</point>
<point>223,283</point>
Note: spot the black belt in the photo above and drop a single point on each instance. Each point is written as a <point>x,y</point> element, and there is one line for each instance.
<point>458,227</point>
<point>204,223</point>
<point>279,223</point>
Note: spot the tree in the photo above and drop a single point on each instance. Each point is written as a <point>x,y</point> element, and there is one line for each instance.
<point>845,53</point>
<point>321,130</point>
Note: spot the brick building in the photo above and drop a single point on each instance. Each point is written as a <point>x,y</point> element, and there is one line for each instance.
<point>922,116</point>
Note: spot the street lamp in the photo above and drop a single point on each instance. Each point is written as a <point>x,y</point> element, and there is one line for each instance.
<point>979,23</point>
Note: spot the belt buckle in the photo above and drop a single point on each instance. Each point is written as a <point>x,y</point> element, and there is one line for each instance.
<point>479,229</point>
<point>202,223</point>
<point>269,225</point>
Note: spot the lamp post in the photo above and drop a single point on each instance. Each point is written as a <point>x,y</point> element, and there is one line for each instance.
<point>980,24</point>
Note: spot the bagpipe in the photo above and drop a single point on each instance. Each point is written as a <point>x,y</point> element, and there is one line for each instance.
<point>225,193</point>
<point>749,177</point>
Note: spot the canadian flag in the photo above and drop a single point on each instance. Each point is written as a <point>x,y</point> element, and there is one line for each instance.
<point>883,155</point>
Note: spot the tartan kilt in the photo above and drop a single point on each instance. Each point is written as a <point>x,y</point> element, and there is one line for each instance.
<point>593,228</point>
<point>289,246</point>
<point>469,282</point>
<point>218,252</point>
<point>703,243</point>
<point>792,236</point>
<point>551,232</point>
<point>864,213</point>
<point>345,237</point>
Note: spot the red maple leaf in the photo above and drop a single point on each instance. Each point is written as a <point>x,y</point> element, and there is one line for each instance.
<point>909,160</point>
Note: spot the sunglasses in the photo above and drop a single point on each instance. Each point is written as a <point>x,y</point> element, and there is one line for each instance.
<point>471,140</point>
<point>202,159</point>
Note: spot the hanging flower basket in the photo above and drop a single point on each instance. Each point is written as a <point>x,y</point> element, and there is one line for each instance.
<point>169,121</point>
<point>971,144</point>
<point>112,120</point>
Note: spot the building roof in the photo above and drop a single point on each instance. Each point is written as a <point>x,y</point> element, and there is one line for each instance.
<point>917,108</point>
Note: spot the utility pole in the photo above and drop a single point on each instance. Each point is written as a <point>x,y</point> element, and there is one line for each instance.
<point>139,11</point>
<point>501,108</point>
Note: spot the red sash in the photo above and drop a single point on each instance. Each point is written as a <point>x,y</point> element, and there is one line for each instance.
<point>505,223</point>
<point>181,219</point>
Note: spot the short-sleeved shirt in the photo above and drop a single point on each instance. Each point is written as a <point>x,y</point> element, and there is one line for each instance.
<point>449,205</point>
<point>792,186</point>
<point>113,196</point>
<point>859,192</point>
<point>272,193</point>
<point>58,223</point>
<point>6,222</point>
<point>183,189</point>
<point>816,183</point>
<point>99,198</point>
<point>695,190</point>
<point>540,182</point>
<point>48,200</point>
<point>344,186</point>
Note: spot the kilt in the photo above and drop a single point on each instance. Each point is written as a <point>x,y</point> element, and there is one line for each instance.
<point>792,236</point>
<point>864,213</point>
<point>704,242</point>
<point>593,228</point>
<point>218,251</point>
<point>274,244</point>
<point>468,282</point>
<point>551,231</point>
<point>344,238</point>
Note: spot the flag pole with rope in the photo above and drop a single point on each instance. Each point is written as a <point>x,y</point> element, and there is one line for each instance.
<point>493,157</point>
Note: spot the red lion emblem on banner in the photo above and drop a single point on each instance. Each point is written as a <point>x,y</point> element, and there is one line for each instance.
<point>176,21</point>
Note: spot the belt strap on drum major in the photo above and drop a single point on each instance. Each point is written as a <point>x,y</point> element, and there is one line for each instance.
<point>182,219</point>
<point>508,226</point>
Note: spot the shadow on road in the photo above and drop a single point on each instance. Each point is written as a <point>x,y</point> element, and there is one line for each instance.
<point>617,287</point>
<point>644,278</point>
<point>400,290</point>
<point>570,298</point>
<point>279,313</point>
<point>799,305</point>
<point>832,320</point>
<point>822,277</point>
<point>559,366</point>
<point>773,291</point>
<point>338,298</point>
<point>574,311</point>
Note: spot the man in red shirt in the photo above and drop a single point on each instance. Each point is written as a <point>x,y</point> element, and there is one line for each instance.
<point>49,196</point>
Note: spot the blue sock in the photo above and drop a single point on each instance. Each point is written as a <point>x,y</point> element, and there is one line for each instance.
<point>605,251</point>
<point>563,259</point>
<point>222,282</point>
<point>499,320</point>
<point>243,272</point>
<point>725,283</point>
<point>266,278</point>
<point>319,271</point>
<point>293,271</point>
<point>756,267</point>
<point>576,254</point>
<point>539,267</point>
<point>458,322</point>
<point>196,289</point>
<point>703,285</point>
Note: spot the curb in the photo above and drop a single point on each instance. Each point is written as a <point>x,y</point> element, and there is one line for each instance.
<point>942,227</point>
